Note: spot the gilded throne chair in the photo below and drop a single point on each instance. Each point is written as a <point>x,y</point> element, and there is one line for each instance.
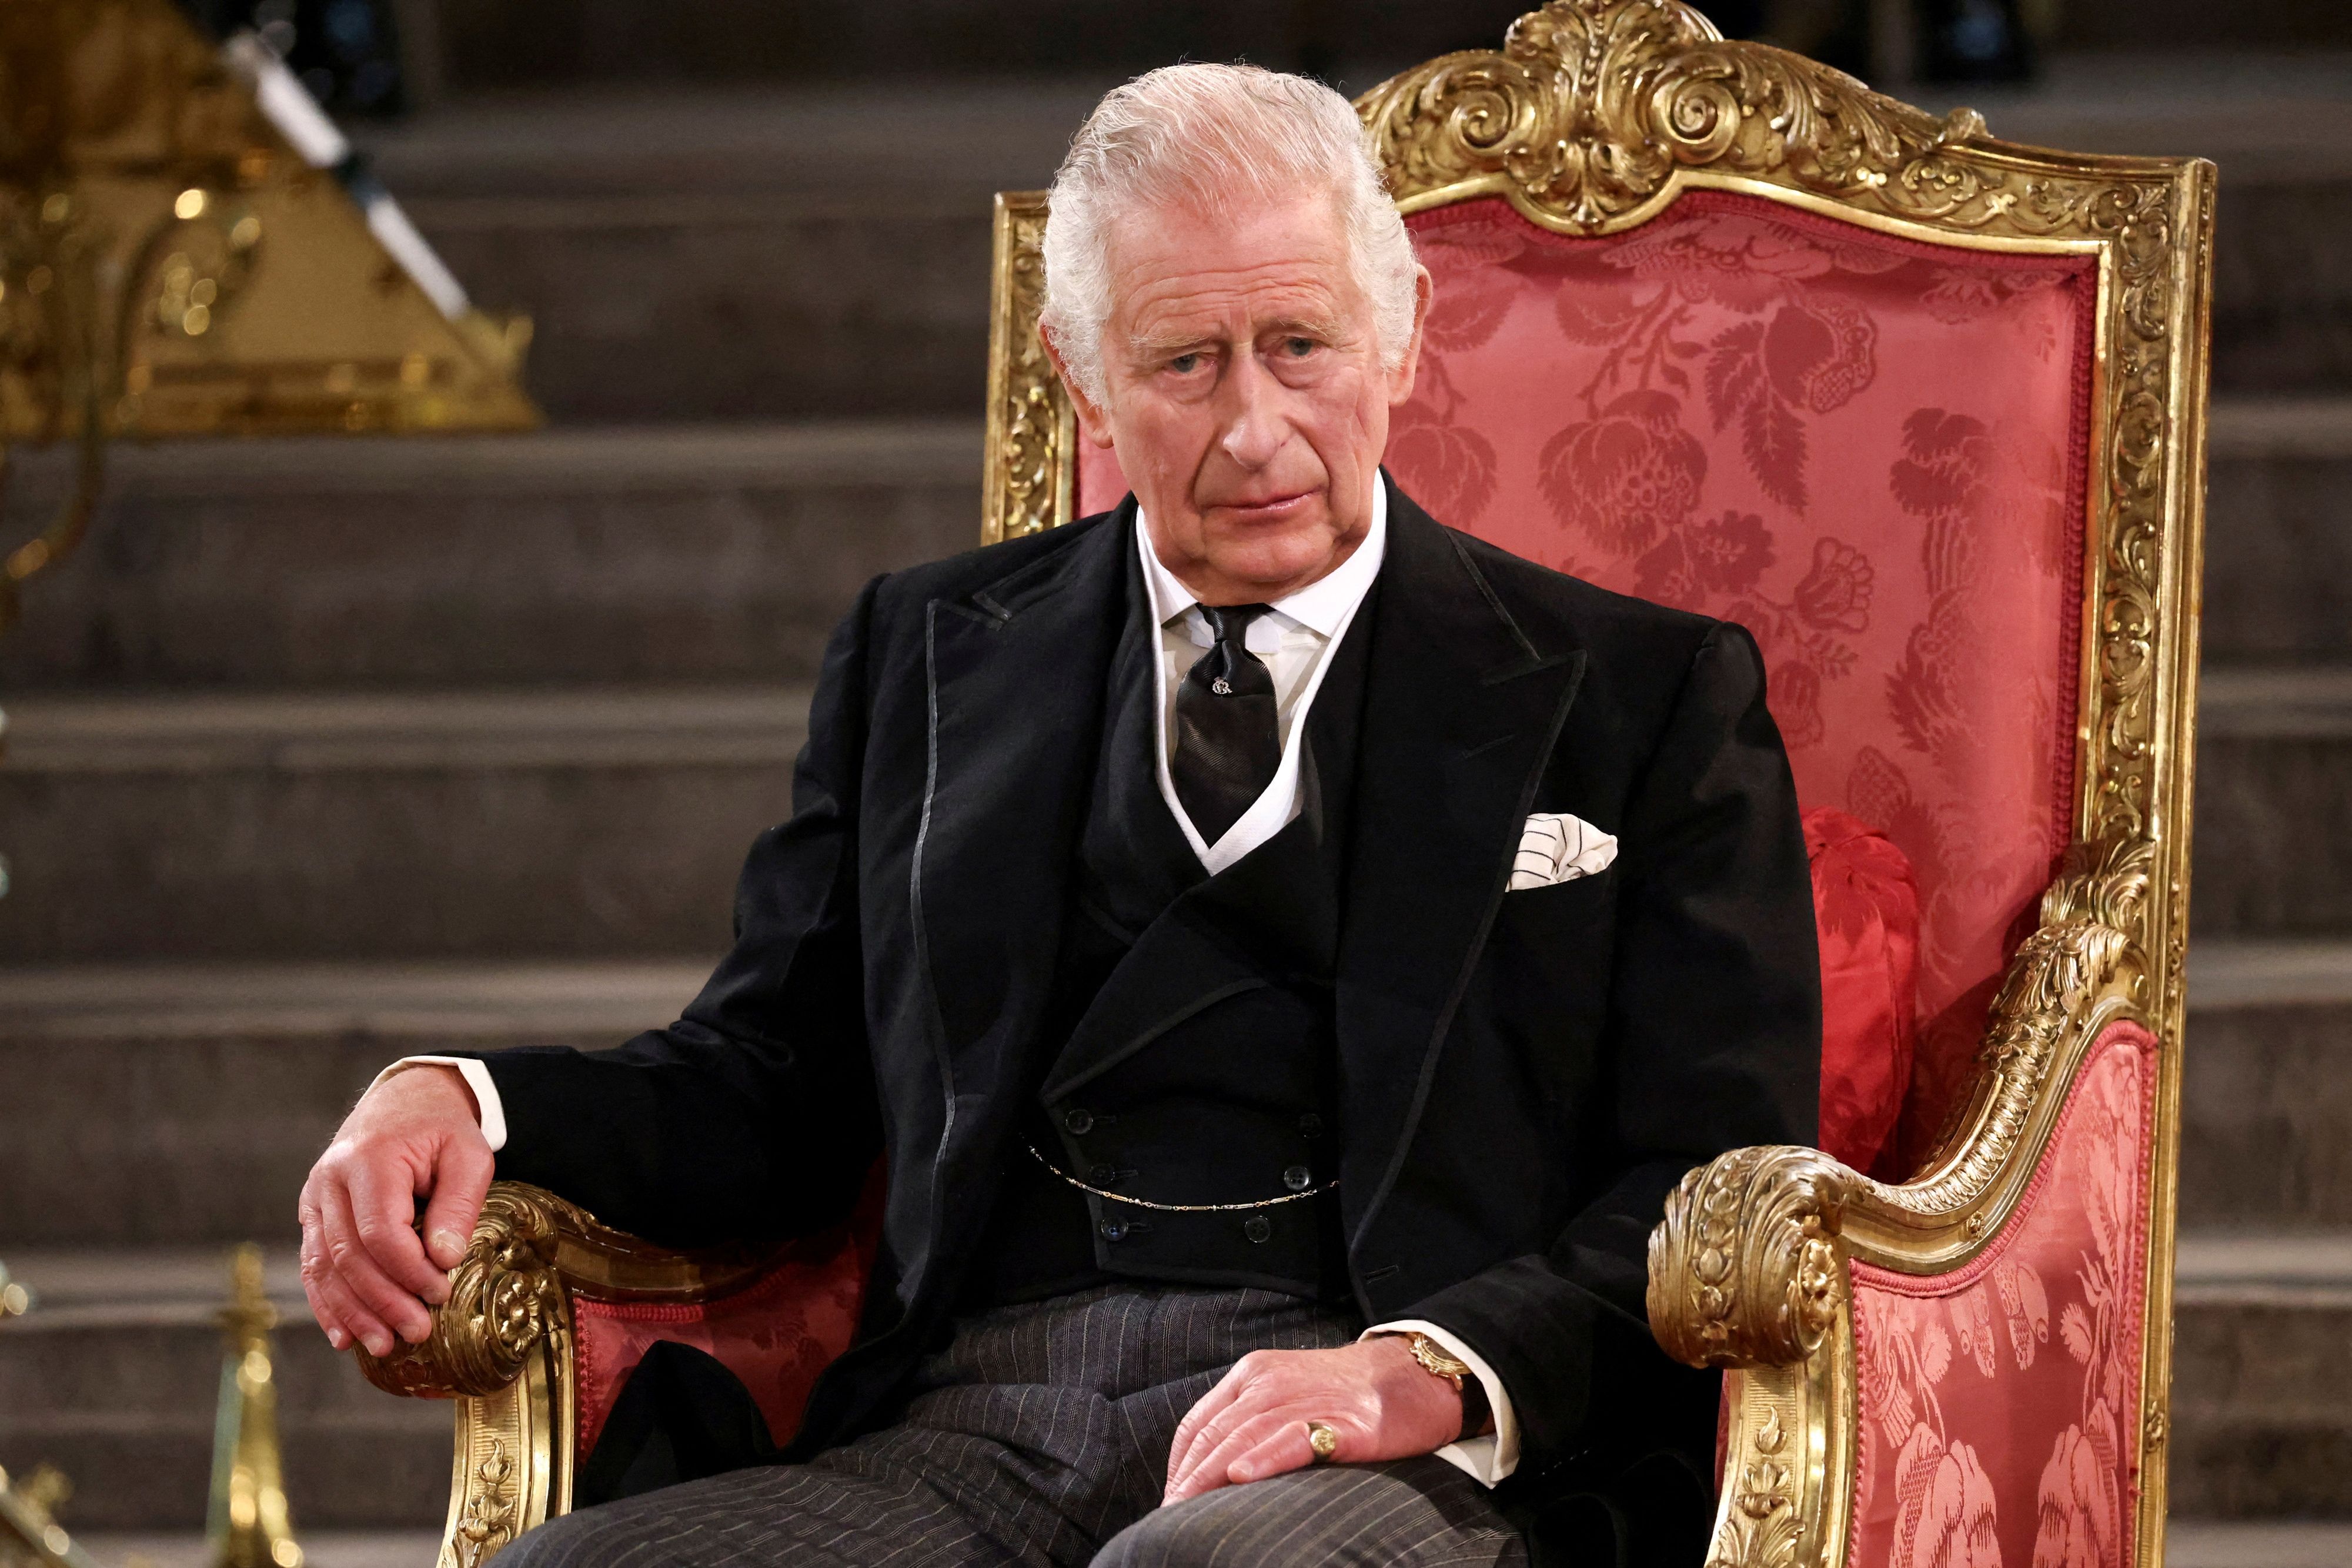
<point>1923,411</point>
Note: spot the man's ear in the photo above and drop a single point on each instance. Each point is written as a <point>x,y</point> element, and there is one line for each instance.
<point>1092,425</point>
<point>1401,380</point>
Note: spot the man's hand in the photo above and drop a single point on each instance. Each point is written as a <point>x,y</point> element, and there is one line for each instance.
<point>1384,1403</point>
<point>415,1134</point>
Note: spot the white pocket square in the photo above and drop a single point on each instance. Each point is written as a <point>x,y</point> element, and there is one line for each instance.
<point>1556,847</point>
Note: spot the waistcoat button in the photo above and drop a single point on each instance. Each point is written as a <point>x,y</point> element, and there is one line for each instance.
<point>1310,1125</point>
<point>1114,1230</point>
<point>1079,1123</point>
<point>1257,1227</point>
<point>1298,1179</point>
<point>1104,1175</point>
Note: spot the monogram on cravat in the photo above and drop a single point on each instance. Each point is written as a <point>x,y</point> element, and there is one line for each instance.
<point>1228,739</point>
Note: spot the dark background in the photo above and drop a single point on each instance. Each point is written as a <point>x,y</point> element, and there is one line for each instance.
<point>383,55</point>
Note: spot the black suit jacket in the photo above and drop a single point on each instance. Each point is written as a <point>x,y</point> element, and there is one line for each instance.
<point>1523,1076</point>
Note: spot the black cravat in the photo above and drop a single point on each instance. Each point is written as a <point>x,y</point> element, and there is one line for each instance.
<point>1228,741</point>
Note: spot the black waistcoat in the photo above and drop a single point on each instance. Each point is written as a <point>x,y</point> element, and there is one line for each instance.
<point>1189,1056</point>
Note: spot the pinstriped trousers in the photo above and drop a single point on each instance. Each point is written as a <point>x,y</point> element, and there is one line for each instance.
<point>1040,1438</point>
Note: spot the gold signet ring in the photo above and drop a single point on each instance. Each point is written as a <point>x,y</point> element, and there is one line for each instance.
<point>1323,1439</point>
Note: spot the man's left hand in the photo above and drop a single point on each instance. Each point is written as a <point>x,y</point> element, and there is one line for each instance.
<point>1382,1403</point>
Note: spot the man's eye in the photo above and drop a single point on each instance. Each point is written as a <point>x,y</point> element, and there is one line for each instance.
<point>1185,364</point>
<point>1298,348</point>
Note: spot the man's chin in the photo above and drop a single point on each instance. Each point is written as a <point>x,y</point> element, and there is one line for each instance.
<point>1269,574</point>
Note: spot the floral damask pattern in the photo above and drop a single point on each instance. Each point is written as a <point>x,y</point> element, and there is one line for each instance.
<point>1979,1446</point>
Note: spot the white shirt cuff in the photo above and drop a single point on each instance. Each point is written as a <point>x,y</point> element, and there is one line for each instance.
<point>1488,1460</point>
<point>489,1108</point>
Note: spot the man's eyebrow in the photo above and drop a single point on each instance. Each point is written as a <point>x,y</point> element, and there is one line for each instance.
<point>1154,345</point>
<point>1326,326</point>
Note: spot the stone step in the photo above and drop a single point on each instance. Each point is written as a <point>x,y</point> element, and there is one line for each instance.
<point>2266,1102</point>
<point>2232,1543</point>
<point>2278,532</point>
<point>613,820</point>
<point>598,821</point>
<point>2273,794</point>
<point>725,553</point>
<point>693,553</point>
<point>2262,1387</point>
<point>758,255</point>
<point>146,1104</point>
<point>735,257</point>
<point>130,1113</point>
<point>114,1377</point>
<point>721,552</point>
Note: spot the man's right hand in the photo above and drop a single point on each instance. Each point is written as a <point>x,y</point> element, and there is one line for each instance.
<point>416,1134</point>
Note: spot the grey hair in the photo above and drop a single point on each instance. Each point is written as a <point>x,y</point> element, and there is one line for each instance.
<point>1199,134</point>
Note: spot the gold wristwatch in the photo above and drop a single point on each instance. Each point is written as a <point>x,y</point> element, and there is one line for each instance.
<point>1438,1361</point>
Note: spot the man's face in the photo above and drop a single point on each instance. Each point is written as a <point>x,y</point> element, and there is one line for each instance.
<point>1245,392</point>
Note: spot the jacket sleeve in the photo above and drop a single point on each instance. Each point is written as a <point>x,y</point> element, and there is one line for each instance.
<point>1712,1042</point>
<point>755,1114</point>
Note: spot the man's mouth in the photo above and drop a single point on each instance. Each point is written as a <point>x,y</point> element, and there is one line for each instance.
<point>1268,509</point>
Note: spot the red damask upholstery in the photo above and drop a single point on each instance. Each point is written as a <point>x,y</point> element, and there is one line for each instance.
<point>1997,1402</point>
<point>1869,450</point>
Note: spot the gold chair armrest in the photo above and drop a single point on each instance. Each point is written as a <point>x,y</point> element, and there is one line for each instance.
<point>505,1296</point>
<point>1749,1267</point>
<point>502,1347</point>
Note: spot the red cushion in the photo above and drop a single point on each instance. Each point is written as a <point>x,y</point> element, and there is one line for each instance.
<point>1867,910</point>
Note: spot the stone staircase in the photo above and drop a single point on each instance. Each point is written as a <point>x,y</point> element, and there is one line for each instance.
<point>322,753</point>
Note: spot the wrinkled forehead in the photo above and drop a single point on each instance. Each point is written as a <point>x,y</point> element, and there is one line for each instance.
<point>1268,259</point>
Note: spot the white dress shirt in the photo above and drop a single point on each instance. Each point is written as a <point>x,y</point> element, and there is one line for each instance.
<point>1295,640</point>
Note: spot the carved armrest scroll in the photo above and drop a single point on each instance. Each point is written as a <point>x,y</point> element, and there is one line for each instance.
<point>1748,1269</point>
<point>505,1298</point>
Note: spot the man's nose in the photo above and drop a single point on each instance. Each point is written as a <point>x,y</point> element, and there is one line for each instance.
<point>1253,429</point>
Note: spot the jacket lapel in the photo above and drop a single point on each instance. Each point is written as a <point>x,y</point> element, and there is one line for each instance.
<point>1462,709</point>
<point>1016,673</point>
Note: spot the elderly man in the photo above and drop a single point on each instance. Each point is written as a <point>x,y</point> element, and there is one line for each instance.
<point>1282,951</point>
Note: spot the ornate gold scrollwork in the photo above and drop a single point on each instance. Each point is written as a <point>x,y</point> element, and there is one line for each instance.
<point>505,1301</point>
<point>1592,106</point>
<point>488,1518</point>
<point>501,1346</point>
<point>1031,480</point>
<point>1764,1521</point>
<point>1746,1270</point>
